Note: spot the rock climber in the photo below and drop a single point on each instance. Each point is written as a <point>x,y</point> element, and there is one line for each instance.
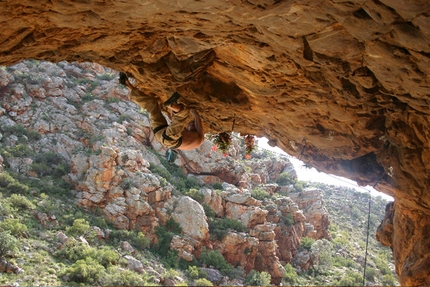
<point>180,134</point>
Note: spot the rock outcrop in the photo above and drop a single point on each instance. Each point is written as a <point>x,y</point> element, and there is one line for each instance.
<point>342,85</point>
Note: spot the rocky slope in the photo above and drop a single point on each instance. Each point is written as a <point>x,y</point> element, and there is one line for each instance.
<point>117,168</point>
<point>344,85</point>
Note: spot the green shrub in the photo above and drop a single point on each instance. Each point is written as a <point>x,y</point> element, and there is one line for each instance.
<point>210,213</point>
<point>20,131</point>
<point>351,278</point>
<point>195,272</point>
<point>219,228</point>
<point>388,280</point>
<point>173,226</point>
<point>202,282</point>
<point>33,136</point>
<point>217,185</point>
<point>8,244</point>
<point>80,227</point>
<point>87,97</point>
<point>21,202</point>
<point>50,163</point>
<point>195,194</point>
<point>255,278</point>
<point>87,271</point>
<point>284,179</point>
<point>306,243</point>
<point>215,259</point>
<point>371,274</point>
<point>17,187</point>
<point>288,219</point>
<point>19,150</point>
<point>299,186</point>
<point>105,255</point>
<point>260,194</point>
<point>106,76</point>
<point>141,242</point>
<point>73,251</point>
<point>164,239</point>
<point>161,171</point>
<point>322,253</point>
<point>5,179</point>
<point>290,276</point>
<point>14,226</point>
<point>171,260</point>
<point>123,277</point>
<point>382,265</point>
<point>118,235</point>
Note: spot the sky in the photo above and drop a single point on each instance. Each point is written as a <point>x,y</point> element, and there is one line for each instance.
<point>306,174</point>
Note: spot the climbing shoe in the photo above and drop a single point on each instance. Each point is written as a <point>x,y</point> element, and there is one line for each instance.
<point>122,78</point>
<point>173,99</point>
<point>172,155</point>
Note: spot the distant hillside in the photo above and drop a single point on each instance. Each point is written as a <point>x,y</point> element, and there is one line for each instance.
<point>348,213</point>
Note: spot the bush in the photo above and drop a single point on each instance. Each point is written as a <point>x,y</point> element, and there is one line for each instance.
<point>388,280</point>
<point>217,185</point>
<point>322,255</point>
<point>215,259</point>
<point>210,213</point>
<point>284,179</point>
<point>290,277</point>
<point>371,274</point>
<point>288,219</point>
<point>141,242</point>
<point>255,278</point>
<point>73,251</point>
<point>351,278</point>
<point>87,271</point>
<point>80,227</point>
<point>195,194</point>
<point>299,186</point>
<point>195,272</point>
<point>164,239</point>
<point>203,282</point>
<point>260,194</point>
<point>306,243</point>
<point>8,244</point>
<point>123,277</point>
<point>5,179</point>
<point>21,202</point>
<point>218,228</point>
<point>173,226</point>
<point>50,163</point>
<point>14,226</point>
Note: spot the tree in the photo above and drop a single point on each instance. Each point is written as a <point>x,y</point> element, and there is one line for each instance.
<point>8,243</point>
<point>290,277</point>
<point>322,255</point>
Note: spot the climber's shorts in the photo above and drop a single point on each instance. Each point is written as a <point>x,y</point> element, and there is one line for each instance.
<point>162,137</point>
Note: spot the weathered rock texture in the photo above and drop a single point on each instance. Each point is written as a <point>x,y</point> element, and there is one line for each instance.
<point>342,85</point>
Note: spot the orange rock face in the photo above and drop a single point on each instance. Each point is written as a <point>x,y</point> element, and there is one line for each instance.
<point>343,85</point>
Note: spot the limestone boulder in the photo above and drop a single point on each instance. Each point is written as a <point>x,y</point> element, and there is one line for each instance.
<point>191,217</point>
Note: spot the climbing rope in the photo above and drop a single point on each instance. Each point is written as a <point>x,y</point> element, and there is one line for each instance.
<point>367,239</point>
